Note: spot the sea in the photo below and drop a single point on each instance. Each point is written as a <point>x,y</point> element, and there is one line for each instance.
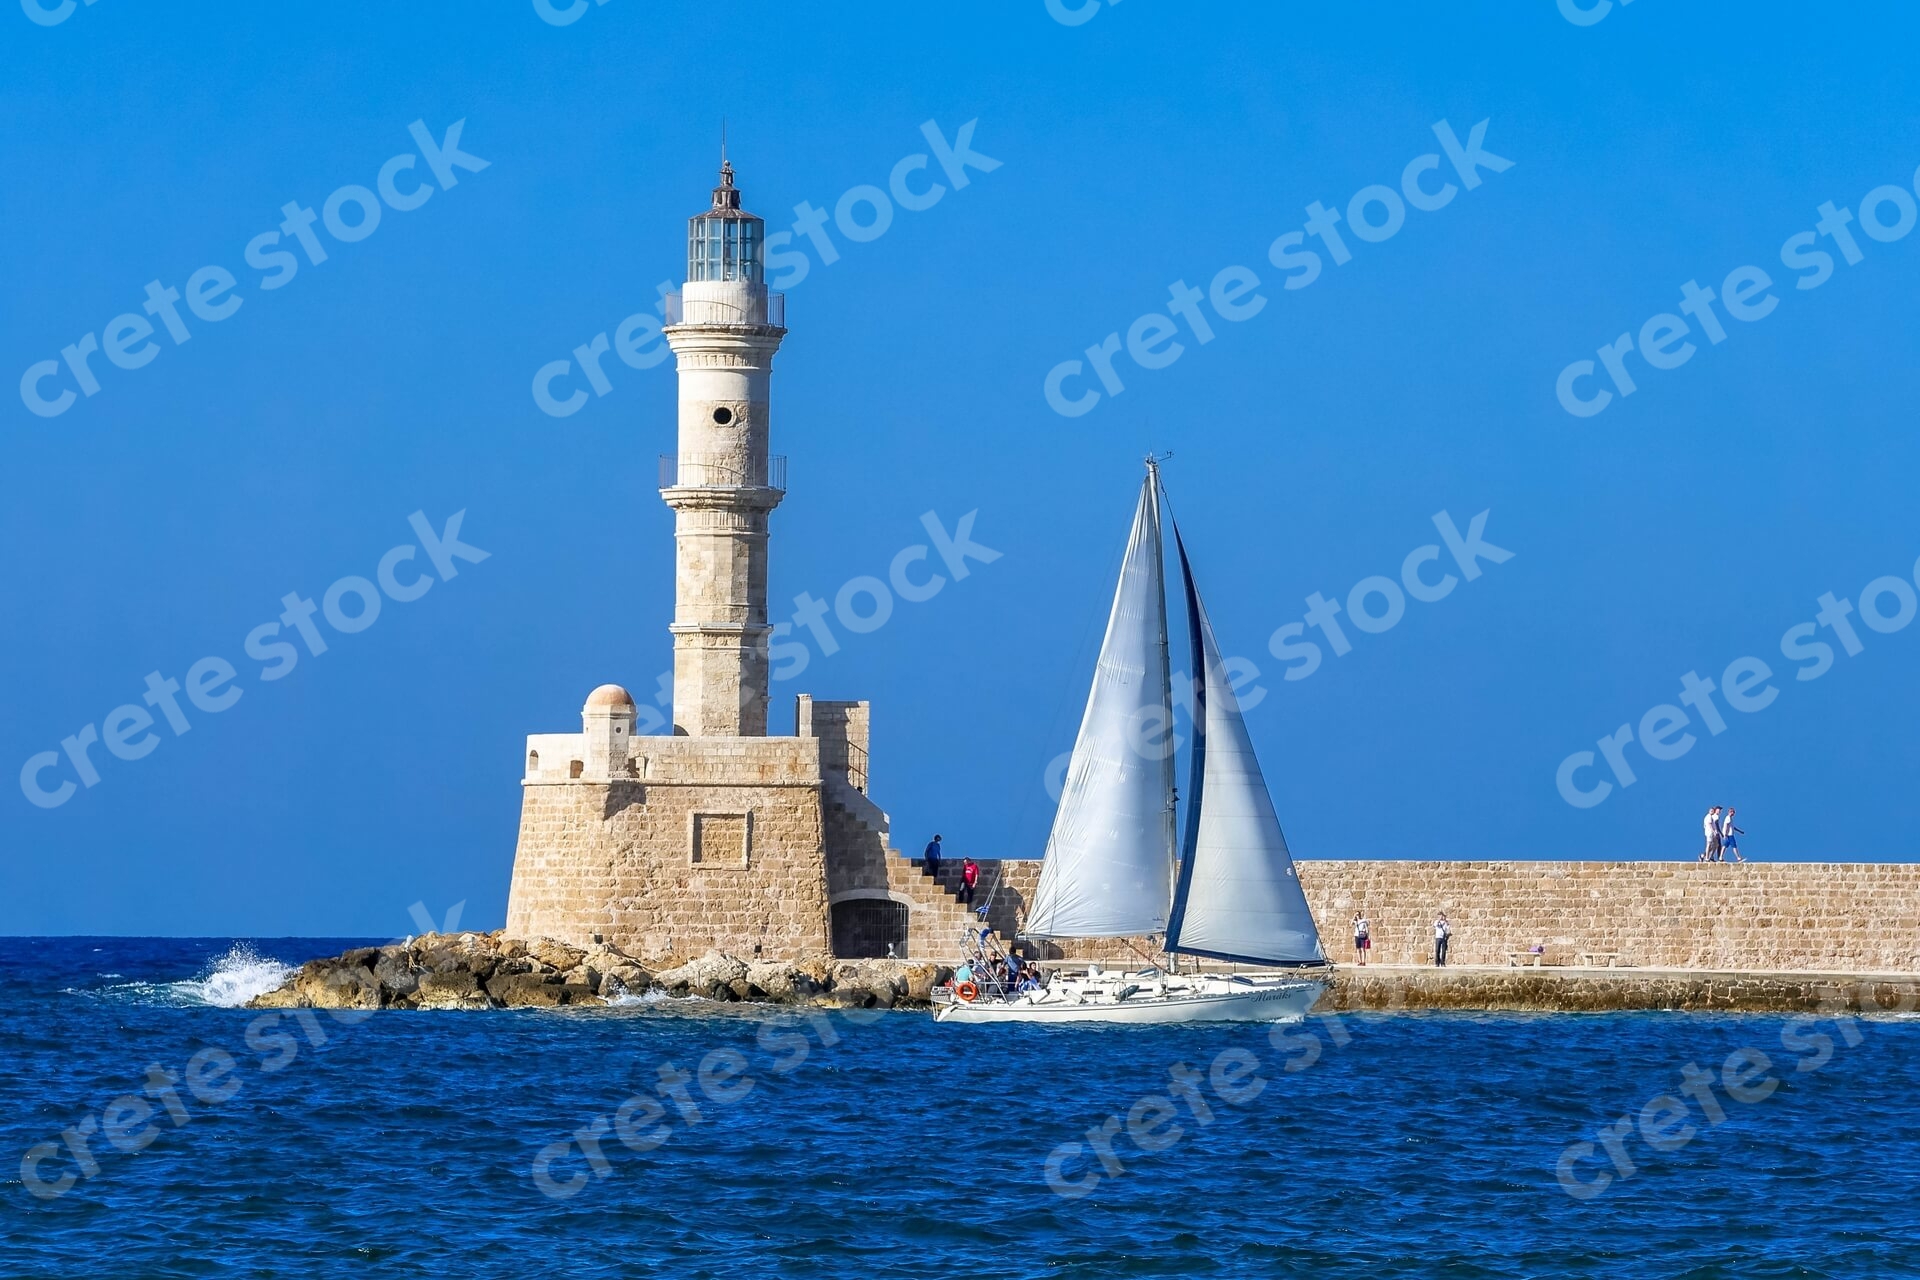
<point>150,1126</point>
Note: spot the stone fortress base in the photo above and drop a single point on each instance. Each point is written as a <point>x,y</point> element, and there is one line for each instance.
<point>770,848</point>
<point>762,847</point>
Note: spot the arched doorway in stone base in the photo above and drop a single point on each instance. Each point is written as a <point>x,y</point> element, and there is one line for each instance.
<point>868,924</point>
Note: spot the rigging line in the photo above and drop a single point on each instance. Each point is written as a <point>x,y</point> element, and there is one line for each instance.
<point>1155,964</point>
<point>1197,675</point>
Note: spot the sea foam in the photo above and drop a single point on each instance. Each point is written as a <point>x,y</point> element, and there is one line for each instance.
<point>227,982</point>
<point>235,978</point>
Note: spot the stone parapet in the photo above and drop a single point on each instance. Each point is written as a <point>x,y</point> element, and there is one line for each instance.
<point>729,761</point>
<point>1841,917</point>
<point>1780,916</point>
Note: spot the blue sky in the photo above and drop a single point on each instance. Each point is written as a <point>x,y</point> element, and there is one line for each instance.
<point>159,521</point>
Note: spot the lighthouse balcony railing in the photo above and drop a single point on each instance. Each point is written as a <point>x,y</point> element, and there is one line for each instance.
<point>719,471</point>
<point>766,308</point>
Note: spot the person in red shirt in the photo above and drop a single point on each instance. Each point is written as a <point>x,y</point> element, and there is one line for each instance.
<point>969,876</point>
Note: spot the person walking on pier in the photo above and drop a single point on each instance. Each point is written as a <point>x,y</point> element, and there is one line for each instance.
<point>1362,936</point>
<point>969,876</point>
<point>1711,826</point>
<point>932,857</point>
<point>1442,934</point>
<point>1730,837</point>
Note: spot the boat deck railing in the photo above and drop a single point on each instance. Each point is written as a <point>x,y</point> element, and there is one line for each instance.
<point>986,962</point>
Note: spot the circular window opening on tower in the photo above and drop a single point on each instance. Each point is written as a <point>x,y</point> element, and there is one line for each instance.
<point>723,415</point>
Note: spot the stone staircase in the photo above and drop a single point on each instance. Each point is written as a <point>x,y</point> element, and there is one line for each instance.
<point>1001,913</point>
<point>863,859</point>
<point>938,926</point>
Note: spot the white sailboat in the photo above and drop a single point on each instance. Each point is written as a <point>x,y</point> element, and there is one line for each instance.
<point>1112,869</point>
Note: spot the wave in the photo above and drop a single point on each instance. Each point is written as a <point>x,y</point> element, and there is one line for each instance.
<point>652,996</point>
<point>227,982</point>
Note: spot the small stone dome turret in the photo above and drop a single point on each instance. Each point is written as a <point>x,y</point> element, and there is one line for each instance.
<point>610,696</point>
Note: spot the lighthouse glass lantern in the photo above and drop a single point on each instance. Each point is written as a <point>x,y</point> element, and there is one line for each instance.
<point>723,244</point>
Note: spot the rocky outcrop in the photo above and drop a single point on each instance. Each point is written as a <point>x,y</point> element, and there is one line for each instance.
<point>716,975</point>
<point>491,971</point>
<point>458,971</point>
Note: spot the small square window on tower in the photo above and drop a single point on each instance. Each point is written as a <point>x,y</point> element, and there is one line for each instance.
<point>720,840</point>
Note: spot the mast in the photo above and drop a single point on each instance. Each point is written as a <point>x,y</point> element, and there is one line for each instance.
<point>1166,664</point>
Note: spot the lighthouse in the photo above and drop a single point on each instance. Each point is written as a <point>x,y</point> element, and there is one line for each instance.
<point>720,834</point>
<point>722,483</point>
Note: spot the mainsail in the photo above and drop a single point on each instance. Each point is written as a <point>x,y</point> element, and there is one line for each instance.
<point>1238,897</point>
<point>1109,859</point>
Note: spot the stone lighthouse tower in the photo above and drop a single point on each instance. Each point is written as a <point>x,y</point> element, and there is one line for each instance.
<point>722,483</point>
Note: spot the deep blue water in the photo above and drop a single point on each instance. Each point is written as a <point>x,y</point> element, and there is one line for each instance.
<point>1412,1145</point>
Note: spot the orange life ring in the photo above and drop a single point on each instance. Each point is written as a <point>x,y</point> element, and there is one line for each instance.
<point>967,991</point>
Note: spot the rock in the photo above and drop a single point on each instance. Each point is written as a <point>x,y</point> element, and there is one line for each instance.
<point>526,991</point>
<point>558,955</point>
<point>862,985</point>
<point>921,979</point>
<point>324,984</point>
<point>624,979</point>
<point>713,975</point>
<point>459,989</point>
<point>282,997</point>
<point>456,957</point>
<point>395,972</point>
<point>353,988</point>
<point>819,971</point>
<point>777,980</point>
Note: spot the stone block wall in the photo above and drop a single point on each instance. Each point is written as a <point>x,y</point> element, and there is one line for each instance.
<point>1792,916</point>
<point>1795,917</point>
<point>741,843</point>
<point>713,842</point>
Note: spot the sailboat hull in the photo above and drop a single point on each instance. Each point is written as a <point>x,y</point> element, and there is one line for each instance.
<point>1162,999</point>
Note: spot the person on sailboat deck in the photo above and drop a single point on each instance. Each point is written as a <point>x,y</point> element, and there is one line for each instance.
<point>1362,936</point>
<point>1029,979</point>
<point>932,857</point>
